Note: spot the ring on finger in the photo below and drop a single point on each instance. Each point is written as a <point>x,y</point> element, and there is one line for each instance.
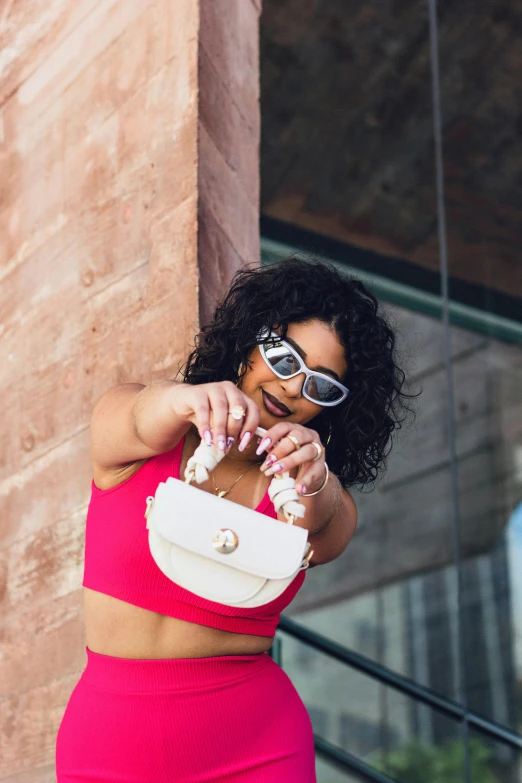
<point>237,412</point>
<point>294,440</point>
<point>320,450</point>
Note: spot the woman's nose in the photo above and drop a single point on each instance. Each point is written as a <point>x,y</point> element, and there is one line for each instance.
<point>293,387</point>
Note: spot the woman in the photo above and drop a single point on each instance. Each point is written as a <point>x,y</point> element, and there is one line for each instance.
<point>179,688</point>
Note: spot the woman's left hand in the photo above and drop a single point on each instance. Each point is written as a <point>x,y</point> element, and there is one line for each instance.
<point>282,454</point>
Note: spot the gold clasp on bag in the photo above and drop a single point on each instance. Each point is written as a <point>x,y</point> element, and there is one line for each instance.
<point>225,541</point>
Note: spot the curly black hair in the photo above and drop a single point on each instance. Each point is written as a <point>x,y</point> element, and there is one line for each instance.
<point>298,290</point>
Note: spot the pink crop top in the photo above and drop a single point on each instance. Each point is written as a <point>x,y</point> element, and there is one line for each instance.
<point>118,560</point>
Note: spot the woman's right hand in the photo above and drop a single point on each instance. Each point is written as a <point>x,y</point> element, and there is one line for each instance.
<point>208,405</point>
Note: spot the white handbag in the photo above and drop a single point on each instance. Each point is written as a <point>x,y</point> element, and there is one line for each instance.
<point>219,549</point>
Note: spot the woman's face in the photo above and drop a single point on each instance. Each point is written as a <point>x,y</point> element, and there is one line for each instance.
<point>318,345</point>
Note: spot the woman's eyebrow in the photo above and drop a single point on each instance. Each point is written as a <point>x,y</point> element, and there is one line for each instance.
<point>303,355</point>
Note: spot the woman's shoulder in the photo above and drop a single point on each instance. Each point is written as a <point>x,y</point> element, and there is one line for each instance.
<point>168,462</point>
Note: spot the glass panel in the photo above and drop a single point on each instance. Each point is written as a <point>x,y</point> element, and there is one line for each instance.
<point>493,762</point>
<point>360,170</point>
<point>360,174</point>
<point>327,773</point>
<point>488,392</point>
<point>483,186</point>
<point>392,594</point>
<point>385,729</point>
<point>346,135</point>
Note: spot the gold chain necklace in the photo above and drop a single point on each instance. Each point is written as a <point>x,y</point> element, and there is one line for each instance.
<point>222,492</point>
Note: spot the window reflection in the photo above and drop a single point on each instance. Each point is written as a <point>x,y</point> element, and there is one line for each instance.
<point>431,584</point>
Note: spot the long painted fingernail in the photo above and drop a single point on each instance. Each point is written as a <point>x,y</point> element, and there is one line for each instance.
<point>244,441</point>
<point>230,441</point>
<point>221,443</point>
<point>263,445</point>
<point>277,468</point>
<point>208,437</point>
<point>268,461</point>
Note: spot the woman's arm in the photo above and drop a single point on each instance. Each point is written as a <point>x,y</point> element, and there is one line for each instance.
<point>331,518</point>
<point>331,514</point>
<point>131,422</point>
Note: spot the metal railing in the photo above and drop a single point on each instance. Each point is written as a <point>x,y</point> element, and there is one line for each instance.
<point>347,761</point>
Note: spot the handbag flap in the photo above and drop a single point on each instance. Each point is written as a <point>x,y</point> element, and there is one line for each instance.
<point>190,517</point>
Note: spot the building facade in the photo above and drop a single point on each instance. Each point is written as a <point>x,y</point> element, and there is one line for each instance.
<point>139,144</point>
<point>390,146</point>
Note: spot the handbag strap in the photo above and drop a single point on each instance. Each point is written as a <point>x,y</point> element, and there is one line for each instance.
<point>282,491</point>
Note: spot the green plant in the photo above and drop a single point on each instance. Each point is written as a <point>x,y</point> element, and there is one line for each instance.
<point>416,762</point>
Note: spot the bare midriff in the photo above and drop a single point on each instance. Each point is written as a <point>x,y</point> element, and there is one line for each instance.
<point>122,630</point>
<point>119,629</point>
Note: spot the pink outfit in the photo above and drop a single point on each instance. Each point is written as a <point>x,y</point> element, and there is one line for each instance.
<point>235,718</point>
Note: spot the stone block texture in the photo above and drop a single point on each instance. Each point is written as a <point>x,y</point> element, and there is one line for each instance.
<point>129,139</point>
<point>229,129</point>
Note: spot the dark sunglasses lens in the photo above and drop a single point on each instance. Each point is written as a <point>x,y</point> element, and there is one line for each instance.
<point>280,359</point>
<point>322,390</point>
<point>284,364</point>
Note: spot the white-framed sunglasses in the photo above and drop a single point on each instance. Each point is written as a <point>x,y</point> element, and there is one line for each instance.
<point>285,362</point>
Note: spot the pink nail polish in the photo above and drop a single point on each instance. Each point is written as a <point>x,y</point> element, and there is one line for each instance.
<point>230,441</point>
<point>278,467</point>
<point>268,461</point>
<point>208,437</point>
<point>221,443</point>
<point>263,445</point>
<point>303,490</point>
<point>244,441</point>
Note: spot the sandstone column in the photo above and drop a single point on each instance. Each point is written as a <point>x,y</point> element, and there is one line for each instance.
<point>229,129</point>
<point>129,137</point>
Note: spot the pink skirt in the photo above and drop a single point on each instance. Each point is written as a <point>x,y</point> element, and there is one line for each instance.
<point>234,718</point>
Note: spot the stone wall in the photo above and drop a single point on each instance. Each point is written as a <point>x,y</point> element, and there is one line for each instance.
<point>229,128</point>
<point>117,126</point>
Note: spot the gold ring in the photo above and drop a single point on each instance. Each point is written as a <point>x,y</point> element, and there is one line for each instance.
<point>320,450</point>
<point>237,412</point>
<point>325,482</point>
<point>294,440</point>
